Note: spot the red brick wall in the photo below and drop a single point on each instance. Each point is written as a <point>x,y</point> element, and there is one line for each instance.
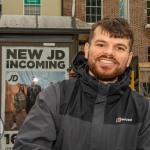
<point>138,20</point>
<point>110,8</point>
<point>67,7</point>
<point>80,8</point>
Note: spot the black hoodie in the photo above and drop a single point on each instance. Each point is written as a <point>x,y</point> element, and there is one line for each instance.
<point>84,114</point>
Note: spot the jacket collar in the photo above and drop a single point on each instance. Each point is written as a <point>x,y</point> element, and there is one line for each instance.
<point>94,87</point>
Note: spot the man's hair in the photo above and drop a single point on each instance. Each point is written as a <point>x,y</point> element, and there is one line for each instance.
<point>116,27</point>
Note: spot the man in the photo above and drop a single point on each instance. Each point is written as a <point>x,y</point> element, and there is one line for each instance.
<point>97,110</point>
<point>33,90</point>
<point>71,72</point>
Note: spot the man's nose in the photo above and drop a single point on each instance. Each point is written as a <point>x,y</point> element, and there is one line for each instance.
<point>109,50</point>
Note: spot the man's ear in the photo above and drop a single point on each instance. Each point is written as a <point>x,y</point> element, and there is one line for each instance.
<point>129,59</point>
<point>86,50</point>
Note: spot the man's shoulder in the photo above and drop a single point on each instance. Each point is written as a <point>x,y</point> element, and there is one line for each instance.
<point>29,86</point>
<point>69,82</point>
<point>139,98</point>
<point>141,102</point>
<point>37,85</point>
<point>65,86</point>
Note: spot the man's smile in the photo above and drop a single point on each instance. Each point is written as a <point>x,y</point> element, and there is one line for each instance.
<point>107,61</point>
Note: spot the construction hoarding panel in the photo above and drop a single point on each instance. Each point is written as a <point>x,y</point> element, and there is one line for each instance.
<point>19,65</point>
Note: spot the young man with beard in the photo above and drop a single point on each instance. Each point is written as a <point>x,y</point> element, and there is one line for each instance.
<point>97,110</point>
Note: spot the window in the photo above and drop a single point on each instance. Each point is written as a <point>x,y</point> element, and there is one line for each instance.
<point>121,9</point>
<point>93,10</point>
<point>148,11</point>
<point>32,7</point>
<point>148,54</point>
<point>144,78</point>
<point>124,9</point>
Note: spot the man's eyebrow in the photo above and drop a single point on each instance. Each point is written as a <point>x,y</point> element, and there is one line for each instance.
<point>117,44</point>
<point>100,41</point>
<point>120,44</point>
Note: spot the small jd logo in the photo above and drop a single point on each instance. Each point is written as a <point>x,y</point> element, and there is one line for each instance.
<point>13,78</point>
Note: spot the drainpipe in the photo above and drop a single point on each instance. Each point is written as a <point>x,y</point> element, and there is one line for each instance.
<point>73,8</point>
<point>73,13</point>
<point>36,20</point>
<point>62,11</point>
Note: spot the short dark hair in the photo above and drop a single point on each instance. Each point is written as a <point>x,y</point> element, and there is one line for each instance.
<point>116,27</point>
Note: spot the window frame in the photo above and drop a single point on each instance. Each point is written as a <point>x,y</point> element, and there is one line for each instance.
<point>34,10</point>
<point>91,14</point>
<point>148,54</point>
<point>124,11</point>
<point>148,11</point>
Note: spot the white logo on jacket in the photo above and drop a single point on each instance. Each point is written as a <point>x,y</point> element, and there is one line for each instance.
<point>123,119</point>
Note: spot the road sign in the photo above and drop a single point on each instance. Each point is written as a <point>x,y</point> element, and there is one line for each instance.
<point>32,1</point>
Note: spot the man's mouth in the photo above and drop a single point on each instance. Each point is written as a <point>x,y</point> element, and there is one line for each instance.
<point>107,61</point>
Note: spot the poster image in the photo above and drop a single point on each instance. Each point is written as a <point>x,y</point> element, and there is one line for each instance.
<point>20,65</point>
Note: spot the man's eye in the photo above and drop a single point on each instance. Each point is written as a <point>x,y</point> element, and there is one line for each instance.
<point>101,45</point>
<point>121,48</point>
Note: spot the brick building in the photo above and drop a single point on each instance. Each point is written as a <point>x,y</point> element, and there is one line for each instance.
<point>138,15</point>
<point>136,12</point>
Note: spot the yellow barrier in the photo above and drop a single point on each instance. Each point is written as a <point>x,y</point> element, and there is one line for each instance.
<point>132,80</point>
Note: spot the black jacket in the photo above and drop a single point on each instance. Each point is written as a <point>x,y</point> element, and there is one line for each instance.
<point>32,92</point>
<point>84,114</point>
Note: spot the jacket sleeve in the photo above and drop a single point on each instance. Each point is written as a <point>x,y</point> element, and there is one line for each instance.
<point>38,131</point>
<point>144,135</point>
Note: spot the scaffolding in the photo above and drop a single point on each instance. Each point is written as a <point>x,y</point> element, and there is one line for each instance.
<point>144,78</point>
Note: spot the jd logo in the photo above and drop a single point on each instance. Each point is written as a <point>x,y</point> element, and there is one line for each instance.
<point>13,78</point>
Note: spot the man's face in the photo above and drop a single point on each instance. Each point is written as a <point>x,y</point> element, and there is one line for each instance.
<point>34,80</point>
<point>107,57</point>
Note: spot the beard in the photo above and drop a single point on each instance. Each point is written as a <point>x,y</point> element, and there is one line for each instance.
<point>104,73</point>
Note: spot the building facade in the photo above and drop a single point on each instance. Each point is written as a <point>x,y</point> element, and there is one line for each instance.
<point>41,37</point>
<point>136,12</point>
<point>31,7</point>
